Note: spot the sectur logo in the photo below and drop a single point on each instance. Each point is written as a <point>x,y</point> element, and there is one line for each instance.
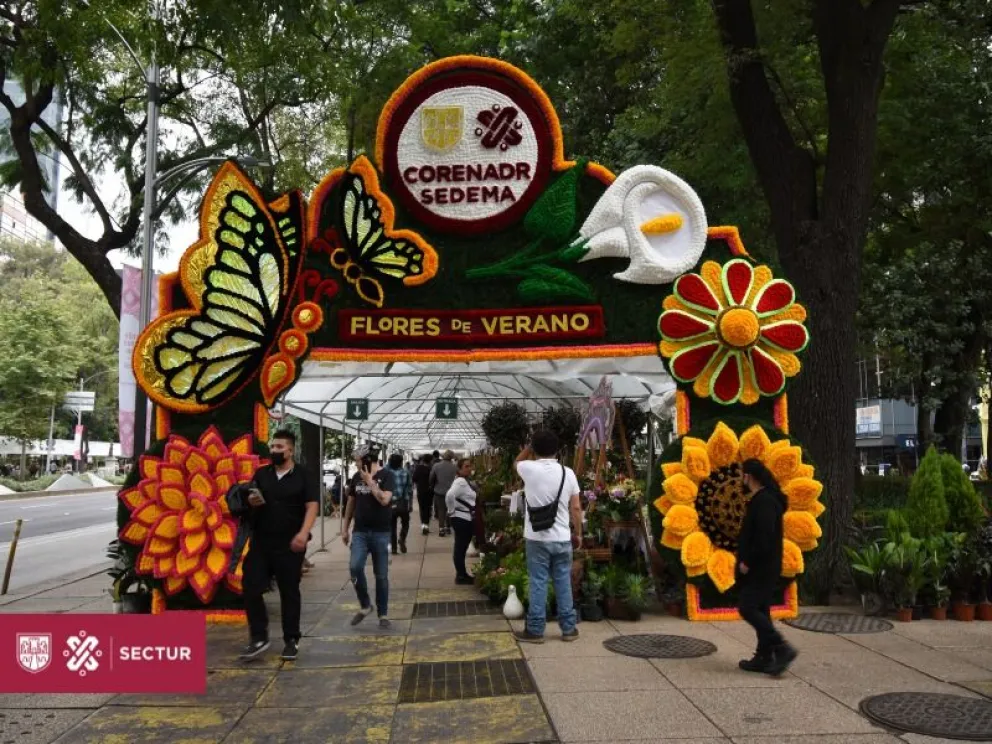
<point>83,653</point>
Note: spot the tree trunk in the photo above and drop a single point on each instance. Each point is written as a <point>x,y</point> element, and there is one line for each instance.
<point>924,428</point>
<point>23,473</point>
<point>950,421</point>
<point>821,409</point>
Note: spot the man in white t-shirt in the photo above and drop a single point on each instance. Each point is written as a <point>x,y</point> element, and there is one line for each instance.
<point>549,552</point>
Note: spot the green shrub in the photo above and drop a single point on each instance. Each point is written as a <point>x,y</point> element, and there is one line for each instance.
<point>35,484</point>
<point>896,525</point>
<point>882,492</point>
<point>926,508</point>
<point>964,506</point>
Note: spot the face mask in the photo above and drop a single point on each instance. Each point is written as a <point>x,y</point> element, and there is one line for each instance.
<point>278,458</point>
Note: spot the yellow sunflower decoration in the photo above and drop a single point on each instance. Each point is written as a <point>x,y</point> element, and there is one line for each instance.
<point>704,501</point>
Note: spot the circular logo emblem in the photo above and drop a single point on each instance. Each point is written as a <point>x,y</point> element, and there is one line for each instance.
<point>468,149</point>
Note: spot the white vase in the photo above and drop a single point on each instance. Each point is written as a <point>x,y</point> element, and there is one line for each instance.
<point>513,608</point>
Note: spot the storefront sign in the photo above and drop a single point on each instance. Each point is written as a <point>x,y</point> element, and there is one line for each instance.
<point>467,327</point>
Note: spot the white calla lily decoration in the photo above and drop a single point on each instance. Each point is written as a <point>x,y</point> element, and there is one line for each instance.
<point>652,217</point>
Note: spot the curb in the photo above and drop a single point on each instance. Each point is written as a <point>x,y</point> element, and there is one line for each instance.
<point>77,492</point>
<point>9,599</point>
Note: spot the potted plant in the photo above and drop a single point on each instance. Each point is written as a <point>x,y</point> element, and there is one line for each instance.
<point>908,569</point>
<point>961,566</point>
<point>868,568</point>
<point>673,597</point>
<point>635,592</point>
<point>983,571</point>
<point>592,594</point>
<point>613,586</point>
<point>125,577</point>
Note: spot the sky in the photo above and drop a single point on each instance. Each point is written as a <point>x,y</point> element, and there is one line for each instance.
<point>110,188</point>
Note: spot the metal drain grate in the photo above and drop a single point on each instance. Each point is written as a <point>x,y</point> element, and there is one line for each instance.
<point>653,646</point>
<point>455,609</point>
<point>837,622</point>
<point>931,714</point>
<point>463,680</point>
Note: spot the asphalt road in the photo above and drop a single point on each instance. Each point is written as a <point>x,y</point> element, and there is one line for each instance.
<point>47,515</point>
<point>60,535</point>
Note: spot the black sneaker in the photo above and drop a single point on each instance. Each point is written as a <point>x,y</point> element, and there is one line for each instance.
<point>384,623</point>
<point>403,546</point>
<point>290,651</point>
<point>425,530</point>
<point>393,551</point>
<point>525,636</point>
<point>782,658</point>
<point>757,663</point>
<point>572,635</point>
<point>361,615</point>
<point>253,650</point>
<point>464,580</point>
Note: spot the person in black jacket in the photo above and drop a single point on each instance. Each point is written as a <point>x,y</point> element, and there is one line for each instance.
<point>425,494</point>
<point>759,565</point>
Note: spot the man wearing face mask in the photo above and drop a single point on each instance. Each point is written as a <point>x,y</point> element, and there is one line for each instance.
<point>284,502</point>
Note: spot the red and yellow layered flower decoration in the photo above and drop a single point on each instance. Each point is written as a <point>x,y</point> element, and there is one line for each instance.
<point>179,512</point>
<point>734,331</point>
<point>704,501</point>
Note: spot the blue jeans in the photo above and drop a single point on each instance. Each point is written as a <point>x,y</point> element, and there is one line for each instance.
<point>552,559</point>
<point>377,543</point>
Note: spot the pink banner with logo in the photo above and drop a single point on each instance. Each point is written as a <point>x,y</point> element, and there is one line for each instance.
<point>129,330</point>
<point>103,653</point>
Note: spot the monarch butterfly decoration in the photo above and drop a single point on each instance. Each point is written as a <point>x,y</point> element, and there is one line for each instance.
<point>239,280</point>
<point>366,248</point>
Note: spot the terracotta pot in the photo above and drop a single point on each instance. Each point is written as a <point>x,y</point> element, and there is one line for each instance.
<point>674,609</point>
<point>984,611</point>
<point>904,614</point>
<point>963,611</point>
<point>938,613</point>
<point>617,609</point>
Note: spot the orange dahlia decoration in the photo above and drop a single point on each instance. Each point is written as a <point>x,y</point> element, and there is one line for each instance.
<point>733,331</point>
<point>179,513</point>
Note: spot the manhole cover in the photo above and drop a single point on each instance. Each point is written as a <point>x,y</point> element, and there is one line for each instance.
<point>932,714</point>
<point>456,609</point>
<point>654,646</point>
<point>838,622</point>
<point>463,680</point>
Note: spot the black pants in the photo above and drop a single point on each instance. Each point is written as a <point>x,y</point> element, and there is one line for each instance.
<point>262,563</point>
<point>464,531</point>
<point>426,503</point>
<point>402,516</point>
<point>756,598</point>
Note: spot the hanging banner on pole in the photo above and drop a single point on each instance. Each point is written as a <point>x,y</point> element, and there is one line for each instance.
<point>129,330</point>
<point>77,441</point>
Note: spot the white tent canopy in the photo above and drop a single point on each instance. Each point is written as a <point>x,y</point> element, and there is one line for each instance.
<point>402,396</point>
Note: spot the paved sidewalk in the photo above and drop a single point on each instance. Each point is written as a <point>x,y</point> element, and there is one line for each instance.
<point>464,679</point>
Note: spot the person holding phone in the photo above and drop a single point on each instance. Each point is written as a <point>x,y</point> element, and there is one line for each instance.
<point>370,506</point>
<point>283,500</point>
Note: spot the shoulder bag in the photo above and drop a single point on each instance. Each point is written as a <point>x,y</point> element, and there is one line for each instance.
<point>542,518</point>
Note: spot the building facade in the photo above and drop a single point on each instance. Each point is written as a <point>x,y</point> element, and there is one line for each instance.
<point>15,222</point>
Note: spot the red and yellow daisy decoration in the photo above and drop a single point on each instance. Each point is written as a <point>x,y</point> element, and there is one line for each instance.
<point>179,513</point>
<point>704,501</point>
<point>733,331</point>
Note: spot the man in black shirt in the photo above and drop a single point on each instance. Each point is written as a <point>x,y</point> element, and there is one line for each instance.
<point>370,505</point>
<point>425,494</point>
<point>284,502</point>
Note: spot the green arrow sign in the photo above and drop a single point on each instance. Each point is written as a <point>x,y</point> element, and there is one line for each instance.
<point>358,409</point>
<point>446,408</point>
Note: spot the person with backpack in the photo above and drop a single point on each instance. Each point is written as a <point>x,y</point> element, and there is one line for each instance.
<point>461,504</point>
<point>402,497</point>
<point>551,495</point>
<point>759,566</point>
